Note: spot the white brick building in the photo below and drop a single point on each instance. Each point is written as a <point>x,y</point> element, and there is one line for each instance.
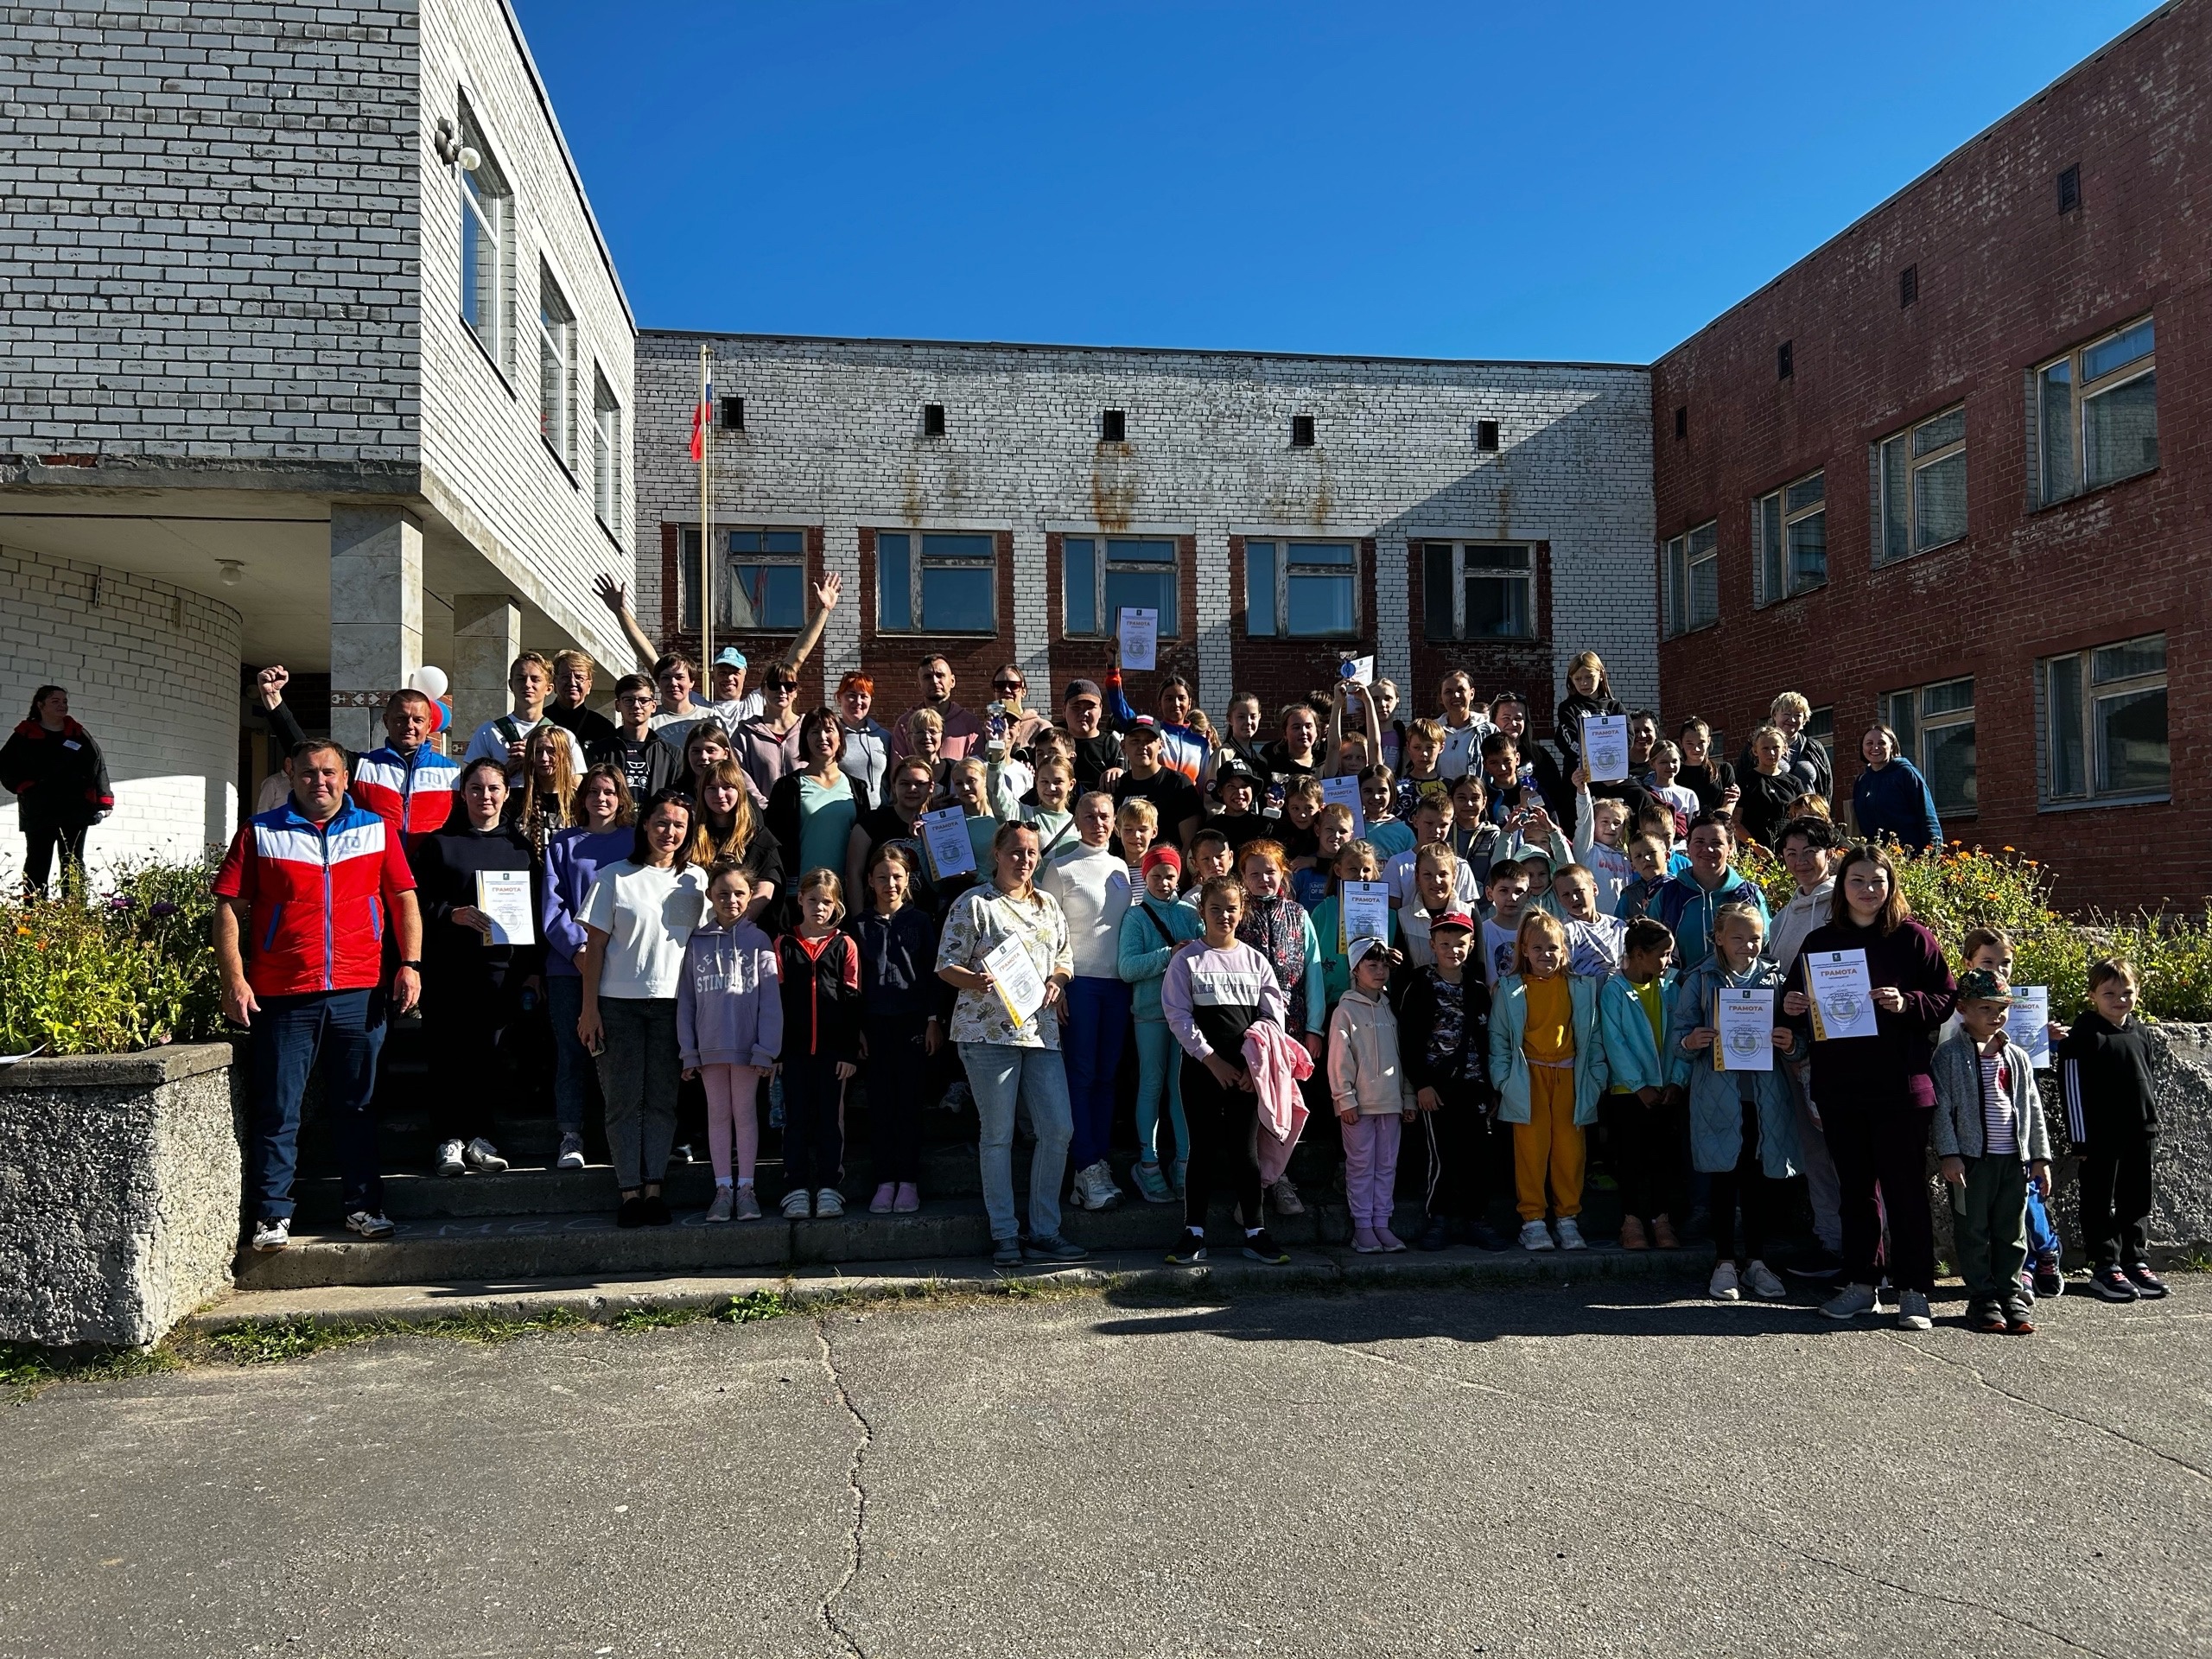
<point>1528,485</point>
<point>260,400</point>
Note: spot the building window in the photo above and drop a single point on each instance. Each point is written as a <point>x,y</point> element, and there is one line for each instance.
<point>1114,426</point>
<point>1301,590</point>
<point>1101,576</point>
<point>934,582</point>
<point>1478,590</point>
<point>1934,728</point>
<point>487,245</point>
<point>1789,539</point>
<point>732,414</point>
<point>1819,726</point>
<point>1486,434</point>
<point>2104,720</point>
<point>1692,596</point>
<point>767,580</point>
<point>932,420</point>
<point>2097,413</point>
<point>1301,431</point>
<point>606,456</point>
<point>1921,474</point>
<point>556,370</point>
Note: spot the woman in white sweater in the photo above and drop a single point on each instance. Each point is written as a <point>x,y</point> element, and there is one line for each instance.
<point>1093,890</point>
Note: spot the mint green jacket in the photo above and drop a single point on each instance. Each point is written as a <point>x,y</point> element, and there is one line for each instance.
<point>1632,1056</point>
<point>1509,1066</point>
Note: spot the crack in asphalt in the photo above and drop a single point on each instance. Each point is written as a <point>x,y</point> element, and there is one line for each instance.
<point>826,1612</point>
<point>1975,1372</point>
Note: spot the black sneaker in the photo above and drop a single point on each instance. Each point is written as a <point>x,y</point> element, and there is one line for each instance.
<point>2111,1285</point>
<point>1434,1236</point>
<point>2148,1285</point>
<point>1053,1247</point>
<point>1483,1236</point>
<point>631,1214</point>
<point>1816,1263</point>
<point>1005,1252</point>
<point>1262,1247</point>
<point>1190,1252</point>
<point>2050,1281</point>
<point>653,1211</point>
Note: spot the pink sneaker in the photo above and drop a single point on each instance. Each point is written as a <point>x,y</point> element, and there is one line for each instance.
<point>1389,1240</point>
<point>1364,1240</point>
<point>909,1199</point>
<point>881,1204</point>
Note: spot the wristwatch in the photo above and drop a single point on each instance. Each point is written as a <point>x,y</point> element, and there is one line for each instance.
<point>416,966</point>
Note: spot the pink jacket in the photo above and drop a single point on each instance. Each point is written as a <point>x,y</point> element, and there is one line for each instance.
<point>1277,1063</point>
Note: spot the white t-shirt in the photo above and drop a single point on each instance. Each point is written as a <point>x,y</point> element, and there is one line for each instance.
<point>1463,747</point>
<point>1399,873</point>
<point>647,915</point>
<point>490,743</point>
<point>1498,943</point>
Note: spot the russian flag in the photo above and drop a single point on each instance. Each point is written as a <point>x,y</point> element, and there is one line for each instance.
<point>700,416</point>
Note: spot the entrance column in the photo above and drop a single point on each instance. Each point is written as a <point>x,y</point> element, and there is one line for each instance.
<point>487,640</point>
<point>375,616</point>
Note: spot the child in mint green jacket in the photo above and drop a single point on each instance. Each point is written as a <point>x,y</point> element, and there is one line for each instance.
<point>1547,1063</point>
<point>1643,1110</point>
<point>1153,929</point>
<point>1743,1122</point>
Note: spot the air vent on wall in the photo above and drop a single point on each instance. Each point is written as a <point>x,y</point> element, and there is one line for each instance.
<point>732,414</point>
<point>1301,431</point>
<point>1485,434</point>
<point>1785,360</point>
<point>2069,189</point>
<point>1908,285</point>
<point>1113,426</point>
<point>932,420</point>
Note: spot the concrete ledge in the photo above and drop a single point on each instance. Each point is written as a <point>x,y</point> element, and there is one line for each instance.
<point>145,1069</point>
<point>1132,1271</point>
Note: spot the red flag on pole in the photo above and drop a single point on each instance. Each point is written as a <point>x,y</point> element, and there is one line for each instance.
<point>699,418</point>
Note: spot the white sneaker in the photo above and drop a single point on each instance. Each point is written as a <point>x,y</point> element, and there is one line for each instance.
<point>1765,1283</point>
<point>829,1203</point>
<point>1534,1236</point>
<point>369,1224</point>
<point>1094,1187</point>
<point>1570,1235</point>
<point>272,1233</point>
<point>798,1203</point>
<point>1284,1197</point>
<point>484,1157</point>
<point>572,1153</point>
<point>725,1201</point>
<point>448,1160</point>
<point>1724,1286</point>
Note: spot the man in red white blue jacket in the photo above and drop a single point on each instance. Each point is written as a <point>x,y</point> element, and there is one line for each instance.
<point>303,904</point>
<point>407,783</point>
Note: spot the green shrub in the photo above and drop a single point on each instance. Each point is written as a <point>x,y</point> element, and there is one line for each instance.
<point>110,972</point>
<point>1957,887</point>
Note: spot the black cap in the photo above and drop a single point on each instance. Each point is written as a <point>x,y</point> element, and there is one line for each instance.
<point>1234,766</point>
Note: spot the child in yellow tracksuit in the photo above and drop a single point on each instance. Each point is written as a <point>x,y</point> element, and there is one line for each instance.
<point>1549,1065</point>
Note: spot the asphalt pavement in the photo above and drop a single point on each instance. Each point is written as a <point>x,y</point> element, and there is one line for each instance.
<point>1575,1470</point>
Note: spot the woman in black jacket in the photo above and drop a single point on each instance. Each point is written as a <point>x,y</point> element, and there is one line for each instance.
<point>473,978</point>
<point>59,779</point>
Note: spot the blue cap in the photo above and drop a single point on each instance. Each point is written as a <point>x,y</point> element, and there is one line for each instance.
<point>729,657</point>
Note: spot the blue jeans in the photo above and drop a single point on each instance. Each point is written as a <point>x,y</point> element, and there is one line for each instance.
<point>1090,1043</point>
<point>1000,1074</point>
<point>346,1029</point>
<point>564,1006</point>
<point>1160,1068</point>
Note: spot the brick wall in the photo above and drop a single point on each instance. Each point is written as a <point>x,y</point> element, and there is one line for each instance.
<point>204,249</point>
<point>152,671</point>
<point>2005,282</point>
<point>834,441</point>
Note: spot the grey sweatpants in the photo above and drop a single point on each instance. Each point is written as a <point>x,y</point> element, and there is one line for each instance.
<point>637,1074</point>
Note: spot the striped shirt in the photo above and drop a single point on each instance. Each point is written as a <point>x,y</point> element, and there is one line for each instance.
<point>2000,1129</point>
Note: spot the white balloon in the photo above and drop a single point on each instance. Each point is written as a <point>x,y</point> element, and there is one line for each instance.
<point>429,680</point>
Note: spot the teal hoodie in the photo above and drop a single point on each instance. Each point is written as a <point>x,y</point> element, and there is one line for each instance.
<point>1144,956</point>
<point>1632,1054</point>
<point>1716,1103</point>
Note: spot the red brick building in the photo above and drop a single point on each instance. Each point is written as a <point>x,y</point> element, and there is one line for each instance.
<point>1950,471</point>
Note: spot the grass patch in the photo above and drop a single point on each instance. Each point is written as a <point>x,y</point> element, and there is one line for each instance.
<point>25,1368</point>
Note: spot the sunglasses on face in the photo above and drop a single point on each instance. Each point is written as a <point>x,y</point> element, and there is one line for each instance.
<point>1006,685</point>
<point>782,685</point>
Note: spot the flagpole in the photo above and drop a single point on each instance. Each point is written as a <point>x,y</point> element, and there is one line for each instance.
<point>706,528</point>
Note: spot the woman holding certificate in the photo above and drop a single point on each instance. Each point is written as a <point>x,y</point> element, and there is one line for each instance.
<point>1005,948</point>
<point>477,882</point>
<point>1870,990</point>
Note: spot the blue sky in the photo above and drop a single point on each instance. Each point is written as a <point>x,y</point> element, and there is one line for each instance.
<point>1593,183</point>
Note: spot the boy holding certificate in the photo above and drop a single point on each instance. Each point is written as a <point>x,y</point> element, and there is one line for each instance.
<point>1743,1121</point>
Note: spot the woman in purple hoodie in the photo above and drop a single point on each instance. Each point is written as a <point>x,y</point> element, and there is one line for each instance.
<point>1874,1095</point>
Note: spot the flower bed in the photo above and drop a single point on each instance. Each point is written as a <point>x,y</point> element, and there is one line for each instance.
<point>114,972</point>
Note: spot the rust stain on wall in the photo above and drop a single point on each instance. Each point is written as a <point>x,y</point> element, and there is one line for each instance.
<point>1113,481</point>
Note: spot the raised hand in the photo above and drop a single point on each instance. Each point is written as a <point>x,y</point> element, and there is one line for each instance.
<point>613,594</point>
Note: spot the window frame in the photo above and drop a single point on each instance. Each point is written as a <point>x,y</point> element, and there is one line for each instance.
<point>1103,564</point>
<point>1681,562</point>
<point>557,335</point>
<point>607,454</point>
<point>779,559</point>
<point>1916,725</point>
<point>1462,572</point>
<point>1287,569</point>
<point>919,561</point>
<point>2081,392</point>
<point>1903,439</point>
<point>485,195</point>
<point>1785,520</point>
<point>2089,729</point>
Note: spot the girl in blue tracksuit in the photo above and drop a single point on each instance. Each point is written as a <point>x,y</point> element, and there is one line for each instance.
<point>1153,929</point>
<point>1742,1123</point>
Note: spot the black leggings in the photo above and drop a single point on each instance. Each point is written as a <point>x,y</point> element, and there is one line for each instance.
<point>814,1123</point>
<point>1644,1149</point>
<point>896,1073</point>
<point>40,842</point>
<point>465,1008</point>
<point>1224,1124</point>
<point>1884,1145</point>
<point>1745,1185</point>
